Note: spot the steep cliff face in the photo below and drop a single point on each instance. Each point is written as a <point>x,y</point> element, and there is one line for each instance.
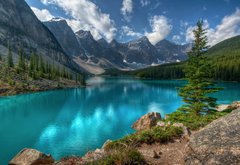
<point>19,27</point>
<point>99,52</point>
<point>171,52</point>
<point>65,36</point>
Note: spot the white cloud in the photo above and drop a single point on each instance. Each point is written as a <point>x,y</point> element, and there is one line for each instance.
<point>127,9</point>
<point>87,16</point>
<point>145,2</point>
<point>43,15</point>
<point>129,32</point>
<point>160,29</point>
<point>176,39</point>
<point>229,27</point>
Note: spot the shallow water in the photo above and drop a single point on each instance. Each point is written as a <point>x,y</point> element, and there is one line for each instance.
<point>74,121</point>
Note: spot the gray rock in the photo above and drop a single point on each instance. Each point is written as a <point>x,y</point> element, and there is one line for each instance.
<point>20,27</point>
<point>147,121</point>
<point>234,105</point>
<point>65,36</point>
<point>31,157</point>
<point>217,143</point>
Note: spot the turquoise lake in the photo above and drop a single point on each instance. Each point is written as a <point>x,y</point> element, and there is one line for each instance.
<point>74,121</point>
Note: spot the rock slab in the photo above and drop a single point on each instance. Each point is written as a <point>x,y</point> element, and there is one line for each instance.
<point>147,121</point>
<point>217,143</point>
<point>31,157</point>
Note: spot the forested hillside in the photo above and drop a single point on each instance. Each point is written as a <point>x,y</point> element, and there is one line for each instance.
<point>224,56</point>
<point>34,74</point>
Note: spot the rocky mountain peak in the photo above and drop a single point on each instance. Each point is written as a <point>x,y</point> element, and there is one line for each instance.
<point>103,43</point>
<point>84,34</point>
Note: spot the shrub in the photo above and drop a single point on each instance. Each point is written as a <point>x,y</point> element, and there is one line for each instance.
<point>121,156</point>
<point>156,134</point>
<point>192,121</point>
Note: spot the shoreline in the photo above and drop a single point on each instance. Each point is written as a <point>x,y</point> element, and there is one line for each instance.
<point>14,92</point>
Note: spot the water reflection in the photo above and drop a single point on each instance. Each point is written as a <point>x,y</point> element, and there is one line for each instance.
<point>73,121</point>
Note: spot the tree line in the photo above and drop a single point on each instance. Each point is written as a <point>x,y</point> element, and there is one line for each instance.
<point>225,68</point>
<point>38,67</point>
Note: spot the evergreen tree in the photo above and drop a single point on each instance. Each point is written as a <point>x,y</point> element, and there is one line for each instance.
<point>10,58</point>
<point>198,75</point>
<point>32,62</point>
<point>20,59</point>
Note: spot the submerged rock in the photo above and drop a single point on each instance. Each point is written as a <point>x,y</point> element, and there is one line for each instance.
<point>147,121</point>
<point>217,143</point>
<point>31,157</point>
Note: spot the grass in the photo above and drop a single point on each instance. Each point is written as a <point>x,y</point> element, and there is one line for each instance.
<point>123,151</point>
<point>192,121</point>
<point>121,156</point>
<point>149,136</point>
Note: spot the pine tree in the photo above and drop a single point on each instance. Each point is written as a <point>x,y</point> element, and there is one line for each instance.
<point>32,62</point>
<point>20,59</point>
<point>198,75</point>
<point>10,58</point>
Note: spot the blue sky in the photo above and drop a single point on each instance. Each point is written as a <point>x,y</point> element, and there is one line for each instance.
<point>157,19</point>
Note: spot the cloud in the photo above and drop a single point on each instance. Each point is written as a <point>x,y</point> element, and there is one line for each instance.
<point>127,9</point>
<point>160,28</point>
<point>145,3</point>
<point>229,27</point>
<point>176,39</point>
<point>129,32</point>
<point>87,16</point>
<point>43,15</point>
<point>156,6</point>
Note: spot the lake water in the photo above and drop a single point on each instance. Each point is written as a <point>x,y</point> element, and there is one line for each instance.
<point>74,121</point>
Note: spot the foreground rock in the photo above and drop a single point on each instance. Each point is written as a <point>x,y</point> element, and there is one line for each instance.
<point>147,121</point>
<point>233,106</point>
<point>217,143</point>
<point>31,157</point>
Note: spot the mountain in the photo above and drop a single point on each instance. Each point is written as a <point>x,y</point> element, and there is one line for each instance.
<point>99,52</point>
<point>103,43</point>
<point>172,52</point>
<point>224,56</point>
<point>142,51</point>
<point>229,46</point>
<point>19,27</point>
<point>65,36</point>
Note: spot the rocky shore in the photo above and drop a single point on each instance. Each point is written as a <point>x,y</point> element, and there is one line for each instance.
<point>37,86</point>
<point>216,143</point>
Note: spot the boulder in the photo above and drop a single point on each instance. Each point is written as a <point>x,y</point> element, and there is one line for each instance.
<point>93,155</point>
<point>161,124</point>
<point>147,121</point>
<point>234,105</point>
<point>31,157</point>
<point>222,107</point>
<point>217,143</point>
